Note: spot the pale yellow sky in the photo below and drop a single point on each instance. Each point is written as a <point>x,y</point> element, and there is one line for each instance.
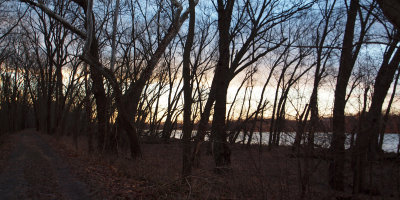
<point>299,96</point>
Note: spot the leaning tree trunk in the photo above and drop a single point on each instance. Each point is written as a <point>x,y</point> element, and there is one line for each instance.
<point>202,127</point>
<point>387,113</point>
<point>367,140</point>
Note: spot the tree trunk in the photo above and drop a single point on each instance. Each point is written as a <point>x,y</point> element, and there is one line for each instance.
<point>100,96</point>
<point>391,9</point>
<point>221,151</point>
<point>367,140</point>
<point>301,124</point>
<point>347,59</point>
<point>387,113</point>
<point>187,90</point>
<point>202,127</point>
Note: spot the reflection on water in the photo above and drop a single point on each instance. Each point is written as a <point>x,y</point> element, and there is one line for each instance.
<point>390,140</point>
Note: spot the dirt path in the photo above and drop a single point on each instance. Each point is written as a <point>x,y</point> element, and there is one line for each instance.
<point>35,171</point>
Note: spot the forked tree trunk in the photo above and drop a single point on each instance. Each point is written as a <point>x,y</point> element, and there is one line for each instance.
<point>220,148</point>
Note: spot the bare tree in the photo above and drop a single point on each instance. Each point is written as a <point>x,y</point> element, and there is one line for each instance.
<point>348,58</point>
<point>367,140</point>
<point>232,61</point>
<point>91,56</point>
<point>187,86</point>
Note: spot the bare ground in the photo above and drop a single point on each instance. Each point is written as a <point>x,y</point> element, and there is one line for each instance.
<point>38,166</point>
<point>275,174</point>
<point>33,170</point>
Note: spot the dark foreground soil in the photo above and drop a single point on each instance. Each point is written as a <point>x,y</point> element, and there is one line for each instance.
<point>38,166</point>
<point>256,174</point>
<point>32,170</point>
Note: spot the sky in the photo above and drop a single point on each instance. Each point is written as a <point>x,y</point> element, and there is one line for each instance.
<point>299,95</point>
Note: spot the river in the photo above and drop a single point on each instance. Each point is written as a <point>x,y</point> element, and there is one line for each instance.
<point>390,140</point>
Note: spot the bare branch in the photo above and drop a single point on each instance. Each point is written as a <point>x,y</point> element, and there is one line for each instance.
<point>57,17</point>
